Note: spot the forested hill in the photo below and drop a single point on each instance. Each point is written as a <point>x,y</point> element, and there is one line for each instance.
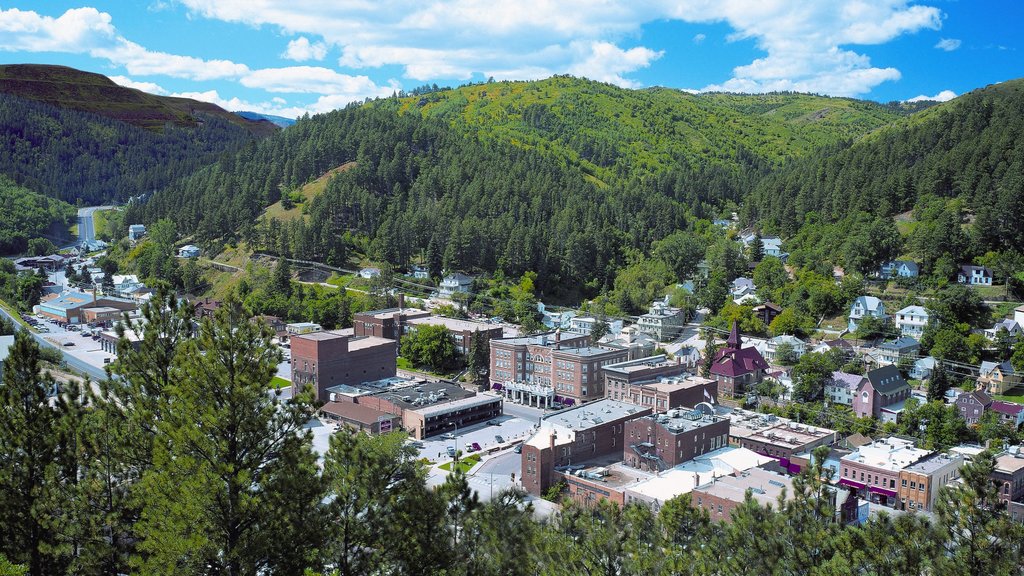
<point>74,89</point>
<point>83,157</point>
<point>970,149</point>
<point>563,176</point>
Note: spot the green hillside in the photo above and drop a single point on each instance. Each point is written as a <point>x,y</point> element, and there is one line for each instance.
<point>88,92</point>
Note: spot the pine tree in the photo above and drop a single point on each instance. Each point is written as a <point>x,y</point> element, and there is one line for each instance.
<point>938,382</point>
<point>212,497</point>
<point>479,359</point>
<point>283,278</point>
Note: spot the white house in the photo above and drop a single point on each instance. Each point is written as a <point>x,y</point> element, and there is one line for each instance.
<point>899,269</point>
<point>188,251</point>
<point>1011,326</point>
<point>923,368</point>
<point>741,288</point>
<point>911,321</point>
<point>891,351</point>
<point>584,324</point>
<point>136,232</point>
<point>662,322</point>
<point>865,306</point>
<point>974,275</point>
<point>125,284</point>
<point>771,347</point>
<point>842,386</point>
<point>420,273</point>
<point>368,273</point>
<point>455,282</point>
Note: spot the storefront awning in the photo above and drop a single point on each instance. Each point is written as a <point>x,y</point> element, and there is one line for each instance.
<point>851,483</point>
<point>882,491</point>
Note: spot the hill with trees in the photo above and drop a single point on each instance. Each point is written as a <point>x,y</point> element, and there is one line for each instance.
<point>27,215</point>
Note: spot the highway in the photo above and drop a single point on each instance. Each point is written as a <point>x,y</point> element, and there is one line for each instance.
<point>86,225</point>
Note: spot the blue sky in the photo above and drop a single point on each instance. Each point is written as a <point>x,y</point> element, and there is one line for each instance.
<point>301,56</point>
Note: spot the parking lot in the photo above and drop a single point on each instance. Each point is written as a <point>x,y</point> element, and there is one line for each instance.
<point>510,430</point>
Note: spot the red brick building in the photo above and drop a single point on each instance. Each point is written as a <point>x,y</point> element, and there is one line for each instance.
<point>660,393</point>
<point>735,368</point>
<point>330,358</point>
<point>394,323</point>
<point>572,437</point>
<point>658,442</point>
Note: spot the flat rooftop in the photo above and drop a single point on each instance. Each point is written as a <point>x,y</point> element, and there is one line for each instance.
<point>353,411</point>
<point>586,416</point>
<point>673,384</point>
<point>933,463</point>
<point>545,339</point>
<point>453,324</point>
<point>460,404</point>
<point>418,395</point>
<point>683,420</point>
<point>364,342</point>
<point>640,364</point>
<point>685,477</point>
<point>773,429</point>
<point>1009,463</point>
<point>765,486</point>
<point>892,454</point>
<point>588,351</point>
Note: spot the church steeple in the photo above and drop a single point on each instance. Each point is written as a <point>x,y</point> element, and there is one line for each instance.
<point>734,336</point>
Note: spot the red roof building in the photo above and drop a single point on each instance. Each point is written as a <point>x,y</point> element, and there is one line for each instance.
<point>736,368</point>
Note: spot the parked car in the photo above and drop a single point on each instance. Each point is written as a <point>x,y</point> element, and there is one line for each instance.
<point>451,451</point>
<point>69,343</point>
<point>476,446</point>
<point>448,436</point>
<point>499,439</point>
<point>518,449</point>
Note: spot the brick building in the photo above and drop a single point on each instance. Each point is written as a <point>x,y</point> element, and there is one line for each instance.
<point>873,470</point>
<point>921,481</point>
<point>572,437</point>
<point>329,358</point>
<point>780,438</point>
<point>735,368</point>
<point>1009,475</point>
<point>658,442</point>
<point>545,369</point>
<point>394,323</point>
<point>360,417</point>
<point>657,383</point>
<point>723,494</point>
<point>618,377</point>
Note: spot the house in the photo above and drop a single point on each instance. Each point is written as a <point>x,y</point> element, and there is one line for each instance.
<point>556,320</point>
<point>420,273</point>
<point>771,347</point>
<point>862,307</point>
<point>737,368</point>
<point>188,251</point>
<point>136,232</point>
<point>891,351</point>
<point>585,324</point>
<point>974,275</point>
<point>881,388</point>
<point>1009,412</point>
<point>899,269</point>
<point>125,284</point>
<point>922,368</point>
<point>1012,327</point>
<point>742,289</point>
<point>998,378</point>
<point>767,312</point>
<point>841,388</point>
<point>638,344</point>
<point>772,246</point>
<point>662,322</point>
<point>911,321</point>
<point>972,405</point>
<point>369,273</point>
<point>456,282</point>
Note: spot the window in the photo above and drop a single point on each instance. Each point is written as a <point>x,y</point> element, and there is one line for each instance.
<point>904,482</point>
<point>913,485</point>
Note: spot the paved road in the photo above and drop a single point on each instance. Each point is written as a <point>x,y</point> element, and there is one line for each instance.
<point>78,364</point>
<point>86,225</point>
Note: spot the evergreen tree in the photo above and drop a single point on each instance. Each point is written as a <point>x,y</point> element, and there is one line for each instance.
<point>938,382</point>
<point>212,495</point>
<point>479,359</point>
<point>283,278</point>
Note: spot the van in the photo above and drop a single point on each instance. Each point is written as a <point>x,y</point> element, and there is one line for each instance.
<point>451,451</point>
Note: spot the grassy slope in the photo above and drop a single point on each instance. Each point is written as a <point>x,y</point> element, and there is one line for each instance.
<point>650,129</point>
<point>70,88</point>
<point>308,192</point>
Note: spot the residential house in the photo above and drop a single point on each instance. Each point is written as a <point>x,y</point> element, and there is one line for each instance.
<point>638,344</point>
<point>662,322</point>
<point>892,351</point>
<point>882,388</point>
<point>865,306</point>
<point>369,273</point>
<point>736,368</point>
<point>189,251</point>
<point>911,321</point>
<point>767,312</point>
<point>772,246</point>
<point>972,405</point>
<point>998,378</point>
<point>125,284</point>
<point>455,283</point>
<point>742,288</point>
<point>136,232</point>
<point>420,273</point>
<point>922,368</point>
<point>584,324</point>
<point>1009,412</point>
<point>771,347</point>
<point>842,387</point>
<point>974,275</point>
<point>899,269</point>
<point>1012,327</point>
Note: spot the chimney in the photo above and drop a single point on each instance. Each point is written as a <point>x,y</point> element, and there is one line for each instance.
<point>552,437</point>
<point>558,339</point>
<point>401,300</point>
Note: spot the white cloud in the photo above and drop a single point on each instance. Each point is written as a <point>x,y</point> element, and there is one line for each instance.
<point>699,38</point>
<point>948,44</point>
<point>313,80</point>
<point>89,31</point>
<point>944,96</point>
<point>301,49</point>
<point>806,44</point>
<point>151,87</point>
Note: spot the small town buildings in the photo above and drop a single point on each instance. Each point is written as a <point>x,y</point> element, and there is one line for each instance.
<point>125,284</point>
<point>636,343</point>
<point>360,417</point>
<point>998,378</point>
<point>660,393</point>
<point>774,436</point>
<point>189,251</point>
<point>136,232</point>
<point>723,494</point>
<point>767,312</point>
<point>743,290</point>
<point>369,273</point>
<point>394,323</point>
<point>1009,412</point>
<point>329,358</point>
<point>892,351</point>
<point>899,269</point>
<point>972,405</point>
<point>882,388</point>
<point>555,320</point>
<point>585,324</point>
<point>299,328</point>
<point>1009,475</point>
<point>1012,327</point>
<point>619,377</point>
<point>658,442</point>
<point>205,307</point>
<point>104,315</point>
<point>873,470</point>
<point>911,321</point>
<point>50,263</point>
<point>455,283</point>
<point>842,387</point>
<point>974,275</point>
<point>772,345</point>
<point>923,368</point>
<point>865,306</point>
<point>735,368</point>
<point>571,437</point>
<point>662,322</point>
<point>772,246</point>
<point>921,481</point>
<point>69,307</point>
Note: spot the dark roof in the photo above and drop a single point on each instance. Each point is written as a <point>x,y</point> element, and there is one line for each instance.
<point>886,380</point>
<point>979,395</point>
<point>1009,408</point>
<point>354,412</point>
<point>770,306</point>
<point>734,362</point>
